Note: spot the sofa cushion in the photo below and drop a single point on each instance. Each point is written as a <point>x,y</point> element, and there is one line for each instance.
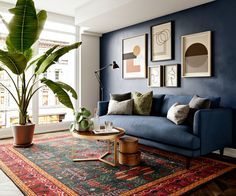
<point>120,97</point>
<point>169,100</point>
<point>199,103</point>
<point>156,105</point>
<point>178,113</point>
<point>215,102</point>
<point>142,103</point>
<point>121,107</point>
<point>154,128</point>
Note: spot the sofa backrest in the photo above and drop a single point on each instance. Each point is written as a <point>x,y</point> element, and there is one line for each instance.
<point>169,100</point>
<point>157,104</point>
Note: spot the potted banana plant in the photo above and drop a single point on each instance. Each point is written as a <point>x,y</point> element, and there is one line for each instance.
<point>24,30</point>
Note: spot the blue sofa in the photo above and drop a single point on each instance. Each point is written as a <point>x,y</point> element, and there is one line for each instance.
<point>212,128</point>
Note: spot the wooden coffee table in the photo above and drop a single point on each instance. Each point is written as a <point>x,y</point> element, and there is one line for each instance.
<point>110,137</point>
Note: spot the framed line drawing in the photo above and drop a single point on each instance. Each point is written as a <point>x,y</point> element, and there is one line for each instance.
<point>161,42</point>
<point>196,55</point>
<point>134,57</point>
<point>155,76</point>
<point>171,76</point>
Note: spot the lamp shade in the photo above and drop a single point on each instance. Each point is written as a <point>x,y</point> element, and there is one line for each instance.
<point>114,65</point>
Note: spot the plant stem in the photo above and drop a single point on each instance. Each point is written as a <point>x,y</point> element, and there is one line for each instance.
<point>17,91</point>
<point>10,93</point>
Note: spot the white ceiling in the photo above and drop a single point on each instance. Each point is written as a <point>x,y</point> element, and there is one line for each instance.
<point>107,15</point>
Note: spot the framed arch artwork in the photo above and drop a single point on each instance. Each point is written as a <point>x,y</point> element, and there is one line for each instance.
<point>161,42</point>
<point>134,57</point>
<point>196,55</point>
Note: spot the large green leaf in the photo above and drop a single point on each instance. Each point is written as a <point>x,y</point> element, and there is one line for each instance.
<point>42,17</point>
<point>41,59</point>
<point>14,61</point>
<point>23,27</point>
<point>52,58</point>
<point>62,95</point>
<point>68,88</point>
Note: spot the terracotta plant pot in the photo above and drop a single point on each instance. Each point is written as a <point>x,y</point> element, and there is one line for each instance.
<point>23,135</point>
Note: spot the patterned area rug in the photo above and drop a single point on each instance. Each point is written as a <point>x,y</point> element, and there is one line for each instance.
<point>47,169</point>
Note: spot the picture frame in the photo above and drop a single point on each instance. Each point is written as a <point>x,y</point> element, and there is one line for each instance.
<point>155,76</point>
<point>171,75</point>
<point>134,57</point>
<point>162,41</point>
<point>196,55</point>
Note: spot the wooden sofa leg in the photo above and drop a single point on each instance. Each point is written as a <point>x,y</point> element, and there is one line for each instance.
<point>188,160</point>
<point>221,152</point>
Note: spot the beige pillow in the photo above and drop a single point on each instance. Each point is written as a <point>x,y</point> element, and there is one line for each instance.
<point>122,107</point>
<point>178,113</point>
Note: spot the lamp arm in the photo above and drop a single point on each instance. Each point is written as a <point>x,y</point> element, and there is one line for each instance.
<point>102,68</point>
<point>100,84</point>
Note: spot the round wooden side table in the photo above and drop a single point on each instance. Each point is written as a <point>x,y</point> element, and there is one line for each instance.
<point>110,137</point>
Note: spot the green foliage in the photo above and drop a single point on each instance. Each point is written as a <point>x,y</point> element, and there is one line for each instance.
<point>14,61</point>
<point>23,27</point>
<point>59,91</point>
<point>53,57</point>
<point>24,30</point>
<point>82,118</point>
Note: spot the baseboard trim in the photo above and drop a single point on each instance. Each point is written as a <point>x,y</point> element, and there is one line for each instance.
<point>231,152</point>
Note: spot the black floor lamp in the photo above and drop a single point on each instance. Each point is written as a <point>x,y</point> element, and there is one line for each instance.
<point>97,74</point>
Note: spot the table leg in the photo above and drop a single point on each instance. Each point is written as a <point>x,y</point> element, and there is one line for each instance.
<point>115,152</point>
<point>109,146</point>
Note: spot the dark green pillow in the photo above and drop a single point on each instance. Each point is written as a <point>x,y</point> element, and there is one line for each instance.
<point>142,103</point>
<point>120,97</point>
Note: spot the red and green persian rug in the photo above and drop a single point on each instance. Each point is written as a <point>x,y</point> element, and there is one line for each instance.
<point>47,169</point>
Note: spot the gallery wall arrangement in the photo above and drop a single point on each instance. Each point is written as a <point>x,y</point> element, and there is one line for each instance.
<point>195,20</point>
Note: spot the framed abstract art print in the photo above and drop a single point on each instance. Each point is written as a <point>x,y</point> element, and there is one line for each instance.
<point>161,42</point>
<point>171,75</point>
<point>196,55</point>
<point>134,57</point>
<point>155,76</point>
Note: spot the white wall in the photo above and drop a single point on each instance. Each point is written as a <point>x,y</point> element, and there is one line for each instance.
<point>89,62</point>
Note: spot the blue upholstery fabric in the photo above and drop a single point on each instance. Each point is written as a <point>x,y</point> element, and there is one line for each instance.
<point>169,100</point>
<point>102,107</point>
<point>167,147</point>
<point>214,127</point>
<point>156,105</point>
<point>215,102</point>
<point>158,129</point>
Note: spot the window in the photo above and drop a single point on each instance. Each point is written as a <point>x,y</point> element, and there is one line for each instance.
<point>57,74</point>
<point>45,97</point>
<point>45,74</point>
<point>47,108</point>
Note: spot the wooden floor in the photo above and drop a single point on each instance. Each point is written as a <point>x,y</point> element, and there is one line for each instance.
<point>221,186</point>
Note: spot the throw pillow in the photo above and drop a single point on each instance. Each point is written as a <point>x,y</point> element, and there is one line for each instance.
<point>178,113</point>
<point>120,97</point>
<point>142,103</point>
<point>122,107</point>
<point>195,104</point>
<point>199,103</point>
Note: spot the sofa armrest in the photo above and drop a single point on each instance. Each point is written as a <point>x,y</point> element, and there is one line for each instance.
<point>214,128</point>
<point>102,107</point>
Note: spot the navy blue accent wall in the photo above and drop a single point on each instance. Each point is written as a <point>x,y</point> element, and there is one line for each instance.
<point>218,17</point>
